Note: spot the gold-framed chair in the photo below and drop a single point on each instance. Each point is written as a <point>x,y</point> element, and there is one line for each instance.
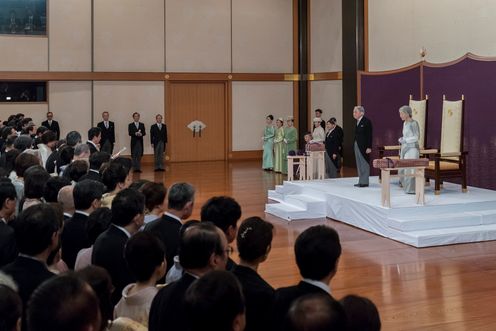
<point>449,161</point>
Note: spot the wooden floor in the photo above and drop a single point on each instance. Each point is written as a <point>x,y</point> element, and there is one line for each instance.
<point>440,288</point>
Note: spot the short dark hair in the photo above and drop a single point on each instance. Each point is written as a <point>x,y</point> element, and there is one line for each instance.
<point>362,313</point>
<point>112,175</point>
<point>179,195</point>
<point>63,303</point>
<point>154,194</point>
<point>73,138</point>
<point>9,161</point>
<point>144,252</point>
<point>126,205</point>
<point>35,179</point>
<point>41,129</point>
<point>23,162</point>
<point>213,302</point>
<point>7,191</point>
<point>333,119</point>
<point>97,159</point>
<point>53,186</point>
<point>317,250</point>
<point>66,155</point>
<point>254,238</point>
<point>316,312</point>
<point>197,244</point>
<point>76,170</point>
<point>6,130</point>
<point>137,184</point>
<point>85,192</point>
<point>126,162</point>
<point>10,308</point>
<point>222,211</point>
<point>98,221</point>
<point>23,142</point>
<point>48,136</point>
<point>94,132</point>
<point>318,110</point>
<point>34,228</point>
<point>135,113</point>
<point>271,117</point>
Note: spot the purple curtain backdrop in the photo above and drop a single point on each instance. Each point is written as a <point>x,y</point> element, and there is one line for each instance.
<point>382,95</point>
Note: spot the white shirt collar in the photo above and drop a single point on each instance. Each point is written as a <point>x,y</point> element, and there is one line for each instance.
<point>96,171</point>
<point>3,220</point>
<point>123,230</point>
<point>318,284</point>
<point>81,212</point>
<point>68,214</point>
<point>91,142</point>
<point>173,216</point>
<point>358,121</point>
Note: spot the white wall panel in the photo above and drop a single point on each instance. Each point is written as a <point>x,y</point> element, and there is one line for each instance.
<point>22,53</point>
<point>251,103</point>
<point>262,35</point>
<point>37,111</point>
<point>328,96</point>
<point>121,100</point>
<point>70,35</point>
<point>198,35</point>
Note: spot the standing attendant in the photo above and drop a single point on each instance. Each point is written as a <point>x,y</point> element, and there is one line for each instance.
<point>158,138</point>
<point>340,133</point>
<point>136,130</point>
<point>279,156</point>
<point>268,144</point>
<point>108,134</point>
<point>409,146</point>
<point>290,138</point>
<point>362,145</point>
<point>332,143</point>
<point>51,124</point>
<point>318,114</point>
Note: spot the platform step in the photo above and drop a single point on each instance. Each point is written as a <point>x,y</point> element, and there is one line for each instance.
<point>444,221</point>
<point>439,237</point>
<point>306,202</point>
<point>488,216</point>
<point>291,212</point>
<point>274,195</point>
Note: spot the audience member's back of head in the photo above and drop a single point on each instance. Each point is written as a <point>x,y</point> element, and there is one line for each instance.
<point>222,211</point>
<point>362,314</point>
<point>63,303</point>
<point>48,137</point>
<point>97,159</point>
<point>98,221</point>
<point>215,302</point>
<point>179,195</point>
<point>254,239</point>
<point>10,309</point>
<point>73,138</point>
<point>35,179</point>
<point>7,192</point>
<point>76,170</point>
<point>154,194</point>
<point>66,154</point>
<point>198,243</point>
<point>66,198</point>
<point>86,192</point>
<point>126,205</point>
<point>144,253</point>
<point>23,142</point>
<point>114,174</point>
<point>23,162</point>
<point>316,312</point>
<point>81,149</point>
<point>35,228</point>
<point>8,162</point>
<point>138,184</point>
<point>317,252</point>
<point>126,162</point>
<point>94,132</point>
<point>53,186</point>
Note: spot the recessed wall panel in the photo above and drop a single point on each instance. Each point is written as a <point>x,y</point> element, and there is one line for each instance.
<point>327,95</point>
<point>23,53</point>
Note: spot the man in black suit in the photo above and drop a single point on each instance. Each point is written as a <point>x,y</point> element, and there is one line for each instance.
<point>128,213</point>
<point>87,197</point>
<point>51,124</point>
<point>94,136</point>
<point>108,134</point>
<point>317,252</point>
<point>37,233</point>
<point>8,247</point>
<point>203,248</point>
<point>158,138</point>
<point>332,143</point>
<point>180,206</point>
<point>96,161</point>
<point>340,132</point>
<point>136,131</point>
<point>362,146</point>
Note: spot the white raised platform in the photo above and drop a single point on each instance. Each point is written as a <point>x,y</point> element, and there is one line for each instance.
<point>450,218</point>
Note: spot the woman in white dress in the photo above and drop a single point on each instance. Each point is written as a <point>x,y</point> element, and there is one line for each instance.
<point>318,132</point>
<point>409,146</point>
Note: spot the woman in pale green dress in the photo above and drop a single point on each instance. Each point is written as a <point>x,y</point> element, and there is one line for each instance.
<point>409,147</point>
<point>279,156</point>
<point>268,144</point>
<point>290,138</point>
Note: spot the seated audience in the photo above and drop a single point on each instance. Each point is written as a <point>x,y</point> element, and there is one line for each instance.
<point>316,312</point>
<point>154,200</point>
<point>203,248</point>
<point>224,212</point>
<point>108,252</point>
<point>176,271</point>
<point>63,303</point>
<point>76,170</point>
<point>52,188</point>
<point>362,314</point>
<point>35,179</point>
<point>66,199</point>
<point>10,306</point>
<point>23,142</point>
<point>55,160</point>
<point>48,142</point>
<point>87,197</point>
<point>116,178</point>
<point>254,241</point>
<point>215,302</point>
<point>317,252</point>
<point>8,246</point>
<point>180,206</point>
<point>94,136</point>
<point>22,163</point>
<point>81,152</point>
<point>96,161</point>
<point>7,163</point>
<point>66,156</point>
<point>145,257</point>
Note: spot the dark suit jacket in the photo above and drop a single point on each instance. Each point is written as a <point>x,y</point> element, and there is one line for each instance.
<point>92,175</point>
<point>332,144</point>
<point>131,129</point>
<point>74,238</point>
<point>50,163</point>
<point>8,246</point>
<point>363,136</point>
<point>167,229</point>
<point>340,132</point>
<point>167,310</point>
<point>108,252</point>
<point>107,134</point>
<point>283,299</point>
<point>92,147</point>
<point>157,135</point>
<point>54,127</point>
<point>259,297</point>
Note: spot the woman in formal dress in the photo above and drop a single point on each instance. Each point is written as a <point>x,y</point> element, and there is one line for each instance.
<point>290,138</point>
<point>409,146</point>
<point>279,156</point>
<point>318,132</point>
<point>268,144</point>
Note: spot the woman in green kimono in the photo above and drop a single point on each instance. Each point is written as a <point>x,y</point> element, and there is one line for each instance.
<point>268,144</point>
<point>290,138</point>
<point>279,156</point>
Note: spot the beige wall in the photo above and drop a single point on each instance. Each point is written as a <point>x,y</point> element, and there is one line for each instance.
<point>251,103</point>
<point>328,96</point>
<point>326,35</point>
<point>36,111</point>
<point>262,35</point>
<point>121,100</point>
<point>23,53</point>
<point>129,35</point>
<point>447,29</point>
<point>70,35</point>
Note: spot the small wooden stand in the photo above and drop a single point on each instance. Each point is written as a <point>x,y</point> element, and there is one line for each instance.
<point>301,162</point>
<point>319,158</point>
<point>419,184</point>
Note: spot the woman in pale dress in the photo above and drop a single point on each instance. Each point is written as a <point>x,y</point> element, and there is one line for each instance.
<point>279,156</point>
<point>290,138</point>
<point>409,146</point>
<point>268,144</point>
<point>318,132</point>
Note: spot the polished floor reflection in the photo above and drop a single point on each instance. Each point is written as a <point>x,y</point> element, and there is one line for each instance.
<point>439,288</point>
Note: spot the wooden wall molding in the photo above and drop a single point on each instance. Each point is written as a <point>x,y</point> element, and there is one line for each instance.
<point>245,155</point>
<point>336,75</point>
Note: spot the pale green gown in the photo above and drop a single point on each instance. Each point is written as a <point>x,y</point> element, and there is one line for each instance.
<point>291,136</point>
<point>279,156</point>
<point>268,147</point>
